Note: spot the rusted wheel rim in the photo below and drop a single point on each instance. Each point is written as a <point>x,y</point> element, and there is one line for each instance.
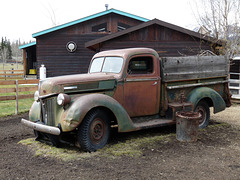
<point>97,130</point>
<point>203,113</point>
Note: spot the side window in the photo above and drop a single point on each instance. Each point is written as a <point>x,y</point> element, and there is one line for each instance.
<point>140,65</point>
<point>100,28</point>
<point>122,26</point>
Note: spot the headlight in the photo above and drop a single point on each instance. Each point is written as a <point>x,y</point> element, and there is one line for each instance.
<point>36,96</point>
<point>63,99</point>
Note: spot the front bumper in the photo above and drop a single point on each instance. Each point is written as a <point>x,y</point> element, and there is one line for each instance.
<point>41,127</point>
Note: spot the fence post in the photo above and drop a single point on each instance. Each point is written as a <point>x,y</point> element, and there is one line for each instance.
<point>16,96</point>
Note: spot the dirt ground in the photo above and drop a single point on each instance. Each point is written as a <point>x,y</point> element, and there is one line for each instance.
<point>216,155</point>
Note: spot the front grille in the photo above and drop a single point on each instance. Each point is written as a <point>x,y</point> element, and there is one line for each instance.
<point>48,111</point>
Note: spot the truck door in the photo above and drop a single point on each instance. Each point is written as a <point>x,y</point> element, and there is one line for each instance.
<point>142,86</point>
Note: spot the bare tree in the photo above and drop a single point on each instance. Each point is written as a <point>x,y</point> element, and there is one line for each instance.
<point>51,14</point>
<point>222,18</point>
<point>16,52</point>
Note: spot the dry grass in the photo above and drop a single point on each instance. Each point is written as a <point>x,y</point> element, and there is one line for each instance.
<point>229,115</point>
<point>65,153</point>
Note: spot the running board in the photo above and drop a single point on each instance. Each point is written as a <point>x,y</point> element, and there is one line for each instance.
<point>154,123</point>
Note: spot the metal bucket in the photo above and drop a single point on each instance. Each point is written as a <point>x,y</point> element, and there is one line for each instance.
<point>187,125</point>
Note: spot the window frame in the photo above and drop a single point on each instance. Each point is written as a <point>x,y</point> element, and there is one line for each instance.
<point>98,27</point>
<point>103,62</point>
<point>141,74</point>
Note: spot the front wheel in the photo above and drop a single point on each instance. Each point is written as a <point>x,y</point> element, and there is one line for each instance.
<point>203,108</point>
<point>94,131</point>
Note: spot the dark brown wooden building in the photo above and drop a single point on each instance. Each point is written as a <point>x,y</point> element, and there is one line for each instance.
<point>51,44</point>
<point>68,48</point>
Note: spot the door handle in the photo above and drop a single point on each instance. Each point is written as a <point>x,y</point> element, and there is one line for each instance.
<point>154,83</point>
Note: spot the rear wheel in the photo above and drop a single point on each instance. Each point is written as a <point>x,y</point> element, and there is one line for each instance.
<point>94,131</point>
<point>203,108</point>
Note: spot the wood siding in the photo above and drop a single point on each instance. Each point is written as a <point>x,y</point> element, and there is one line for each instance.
<point>58,60</point>
<point>166,42</point>
<point>52,52</point>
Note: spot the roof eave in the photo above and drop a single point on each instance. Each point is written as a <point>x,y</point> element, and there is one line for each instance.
<point>27,45</point>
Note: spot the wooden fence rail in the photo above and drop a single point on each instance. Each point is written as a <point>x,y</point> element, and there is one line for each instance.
<point>33,83</point>
<point>11,74</point>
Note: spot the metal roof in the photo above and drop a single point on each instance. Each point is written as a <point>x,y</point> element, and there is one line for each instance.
<point>27,45</point>
<point>89,18</point>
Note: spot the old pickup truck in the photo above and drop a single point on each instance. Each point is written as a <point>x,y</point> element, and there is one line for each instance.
<point>129,89</point>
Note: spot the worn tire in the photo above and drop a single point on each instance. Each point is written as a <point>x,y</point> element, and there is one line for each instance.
<point>94,131</point>
<point>203,108</point>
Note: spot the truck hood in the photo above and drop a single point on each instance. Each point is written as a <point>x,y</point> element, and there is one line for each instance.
<point>77,83</point>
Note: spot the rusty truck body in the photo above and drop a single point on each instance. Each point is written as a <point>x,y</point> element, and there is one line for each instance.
<point>130,89</point>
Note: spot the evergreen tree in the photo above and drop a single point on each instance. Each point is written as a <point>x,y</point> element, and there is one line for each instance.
<point>5,49</point>
<point>9,50</point>
<point>2,44</point>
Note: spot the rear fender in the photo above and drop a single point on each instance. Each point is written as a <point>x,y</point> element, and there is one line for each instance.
<point>74,115</point>
<point>200,93</point>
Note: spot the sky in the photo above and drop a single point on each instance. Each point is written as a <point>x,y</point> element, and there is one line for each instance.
<point>19,19</point>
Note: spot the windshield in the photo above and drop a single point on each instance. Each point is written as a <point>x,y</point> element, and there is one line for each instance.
<point>107,64</point>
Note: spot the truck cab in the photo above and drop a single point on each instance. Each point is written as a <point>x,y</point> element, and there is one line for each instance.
<point>138,81</point>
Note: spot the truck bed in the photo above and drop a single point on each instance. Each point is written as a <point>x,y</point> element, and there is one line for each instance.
<point>194,67</point>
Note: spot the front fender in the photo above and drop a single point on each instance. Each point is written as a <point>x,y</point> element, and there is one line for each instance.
<point>34,112</point>
<point>200,93</point>
<point>74,115</point>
